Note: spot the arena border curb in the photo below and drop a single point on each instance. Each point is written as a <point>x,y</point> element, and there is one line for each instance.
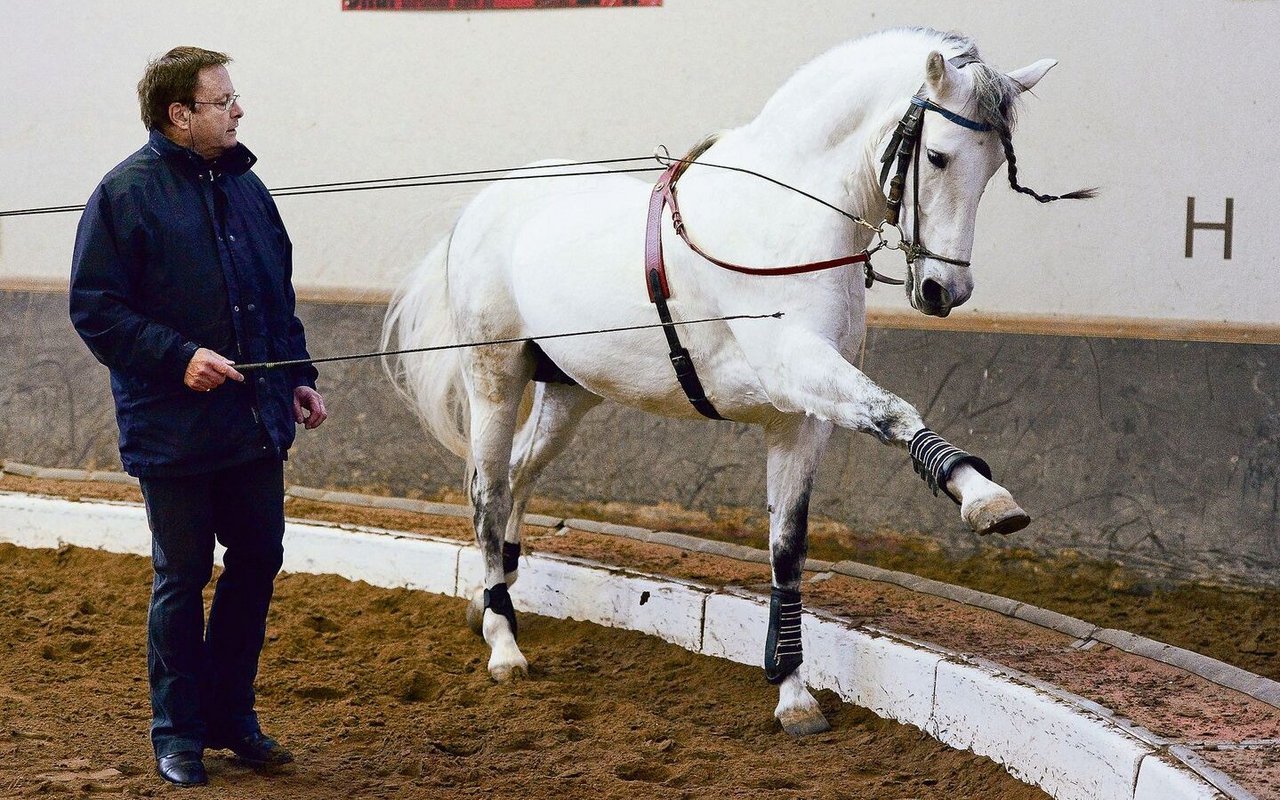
<point>1068,746</point>
<point>1226,675</point>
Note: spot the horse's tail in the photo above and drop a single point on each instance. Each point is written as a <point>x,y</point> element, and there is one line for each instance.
<point>419,316</point>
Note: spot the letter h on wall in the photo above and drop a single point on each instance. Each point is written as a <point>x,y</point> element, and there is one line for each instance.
<point>1224,226</point>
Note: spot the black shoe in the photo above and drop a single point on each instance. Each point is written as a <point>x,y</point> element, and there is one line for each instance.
<point>257,749</point>
<point>182,769</point>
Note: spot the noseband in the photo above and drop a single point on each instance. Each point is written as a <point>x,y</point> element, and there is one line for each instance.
<point>905,146</point>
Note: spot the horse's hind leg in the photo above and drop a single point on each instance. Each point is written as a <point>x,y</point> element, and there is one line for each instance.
<point>554,415</point>
<point>795,447</point>
<point>496,377</point>
<point>556,411</point>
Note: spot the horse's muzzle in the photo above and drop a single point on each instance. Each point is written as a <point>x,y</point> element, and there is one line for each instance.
<point>937,297</point>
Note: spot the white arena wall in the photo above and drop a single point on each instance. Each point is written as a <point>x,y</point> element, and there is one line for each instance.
<point>1155,102</point>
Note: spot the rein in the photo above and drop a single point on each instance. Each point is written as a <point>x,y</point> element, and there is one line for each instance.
<point>666,187</point>
<point>407,181</point>
<point>905,145</point>
<point>667,325</point>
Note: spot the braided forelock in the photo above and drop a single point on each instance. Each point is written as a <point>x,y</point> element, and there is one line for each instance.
<point>996,96</point>
<point>1011,161</point>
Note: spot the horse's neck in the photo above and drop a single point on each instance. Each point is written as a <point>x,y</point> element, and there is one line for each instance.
<point>744,218</point>
<point>819,133</point>
<point>832,98</point>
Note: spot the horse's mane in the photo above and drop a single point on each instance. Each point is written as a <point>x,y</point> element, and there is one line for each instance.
<point>867,81</point>
<point>994,102</point>
<point>863,82</point>
<point>823,88</point>
<point>698,149</point>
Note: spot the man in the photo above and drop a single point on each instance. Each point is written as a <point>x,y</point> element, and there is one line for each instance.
<point>182,269</point>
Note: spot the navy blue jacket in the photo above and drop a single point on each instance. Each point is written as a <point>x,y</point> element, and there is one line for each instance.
<point>174,253</point>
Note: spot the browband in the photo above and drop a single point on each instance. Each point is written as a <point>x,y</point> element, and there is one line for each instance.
<point>965,122</point>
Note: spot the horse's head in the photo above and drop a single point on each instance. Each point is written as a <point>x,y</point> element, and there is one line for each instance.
<point>945,150</point>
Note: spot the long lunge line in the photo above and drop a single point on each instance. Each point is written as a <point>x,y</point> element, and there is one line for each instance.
<point>297,362</point>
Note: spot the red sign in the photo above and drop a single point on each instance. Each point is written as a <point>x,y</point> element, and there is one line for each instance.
<point>477,5</point>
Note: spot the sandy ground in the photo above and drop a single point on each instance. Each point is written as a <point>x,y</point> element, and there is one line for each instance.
<point>384,693</point>
<point>862,757</point>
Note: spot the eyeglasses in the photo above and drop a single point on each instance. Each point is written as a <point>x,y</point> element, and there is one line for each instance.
<point>224,105</point>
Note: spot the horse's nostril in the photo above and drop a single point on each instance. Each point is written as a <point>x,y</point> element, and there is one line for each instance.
<point>935,294</point>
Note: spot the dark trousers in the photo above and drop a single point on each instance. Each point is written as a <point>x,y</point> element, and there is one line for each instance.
<point>202,676</point>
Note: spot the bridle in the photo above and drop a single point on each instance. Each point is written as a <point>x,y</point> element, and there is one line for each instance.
<point>905,146</point>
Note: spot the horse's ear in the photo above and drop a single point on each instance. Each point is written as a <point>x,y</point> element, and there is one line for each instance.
<point>1029,76</point>
<point>939,74</point>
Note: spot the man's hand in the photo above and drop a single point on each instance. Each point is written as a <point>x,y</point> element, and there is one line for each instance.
<point>308,407</point>
<point>207,371</point>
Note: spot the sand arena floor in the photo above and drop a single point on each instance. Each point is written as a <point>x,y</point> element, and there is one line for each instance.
<point>384,693</point>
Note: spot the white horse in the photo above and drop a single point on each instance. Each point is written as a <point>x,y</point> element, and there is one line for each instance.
<point>536,257</point>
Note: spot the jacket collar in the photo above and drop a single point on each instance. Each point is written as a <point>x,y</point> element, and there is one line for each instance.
<point>236,161</point>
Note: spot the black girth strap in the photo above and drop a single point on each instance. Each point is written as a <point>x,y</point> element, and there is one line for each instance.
<point>680,360</point>
<point>658,293</point>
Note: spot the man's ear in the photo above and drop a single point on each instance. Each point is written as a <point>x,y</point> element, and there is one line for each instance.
<point>180,115</point>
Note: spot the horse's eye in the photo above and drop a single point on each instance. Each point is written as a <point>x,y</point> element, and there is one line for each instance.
<point>937,159</point>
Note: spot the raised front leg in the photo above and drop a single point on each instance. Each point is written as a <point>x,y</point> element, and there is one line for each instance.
<point>795,447</point>
<point>812,378</point>
<point>985,505</point>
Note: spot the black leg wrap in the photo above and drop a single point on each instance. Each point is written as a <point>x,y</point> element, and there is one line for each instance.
<point>498,600</point>
<point>934,458</point>
<point>782,649</point>
<point>510,556</point>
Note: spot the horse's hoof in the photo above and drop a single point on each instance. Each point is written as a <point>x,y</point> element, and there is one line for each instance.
<point>998,515</point>
<point>505,673</point>
<point>804,723</point>
<point>475,613</point>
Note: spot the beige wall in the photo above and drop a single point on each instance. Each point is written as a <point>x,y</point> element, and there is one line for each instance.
<point>1153,101</point>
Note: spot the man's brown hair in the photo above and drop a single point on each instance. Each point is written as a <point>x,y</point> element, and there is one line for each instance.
<point>173,78</point>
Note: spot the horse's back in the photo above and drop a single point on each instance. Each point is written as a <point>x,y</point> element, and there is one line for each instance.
<point>536,257</point>
<point>522,241</point>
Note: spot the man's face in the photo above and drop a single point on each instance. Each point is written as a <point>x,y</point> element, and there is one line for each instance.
<point>212,130</point>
